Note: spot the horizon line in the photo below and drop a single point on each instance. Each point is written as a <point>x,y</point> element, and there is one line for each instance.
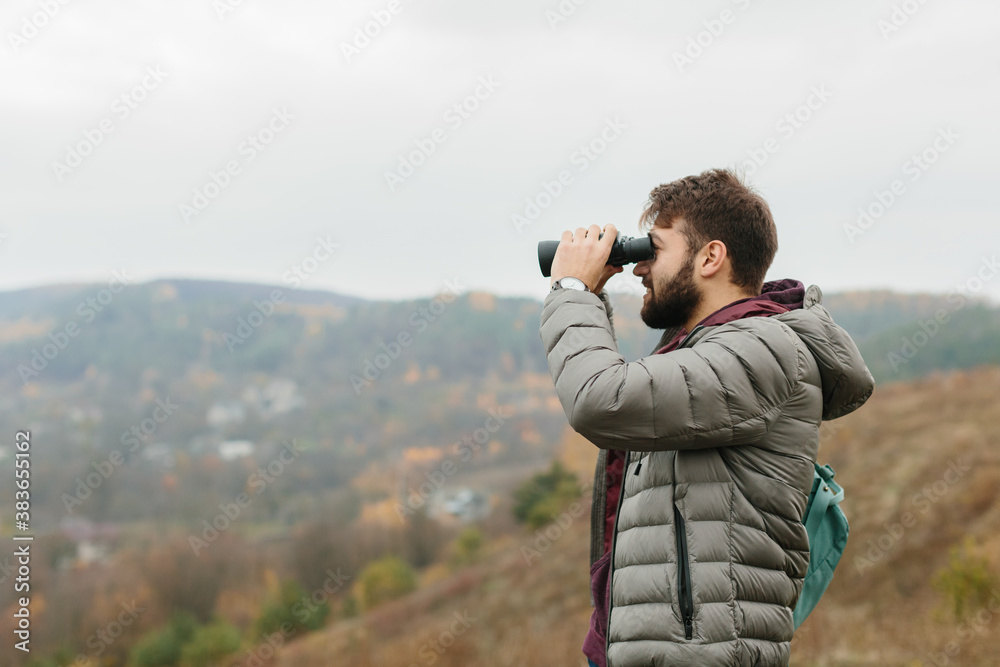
<point>320,290</point>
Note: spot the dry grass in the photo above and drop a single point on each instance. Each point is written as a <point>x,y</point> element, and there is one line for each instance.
<point>892,457</point>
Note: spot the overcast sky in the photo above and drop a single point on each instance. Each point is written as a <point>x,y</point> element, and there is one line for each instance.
<point>115,116</point>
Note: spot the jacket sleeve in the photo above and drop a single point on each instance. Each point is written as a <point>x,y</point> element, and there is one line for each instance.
<point>606,300</point>
<point>726,390</point>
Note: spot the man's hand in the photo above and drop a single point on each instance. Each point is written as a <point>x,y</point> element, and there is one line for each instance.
<point>583,256</point>
<point>608,272</point>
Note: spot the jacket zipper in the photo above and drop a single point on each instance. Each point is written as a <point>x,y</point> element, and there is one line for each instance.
<point>688,337</point>
<point>684,591</point>
<point>688,623</point>
<point>685,595</point>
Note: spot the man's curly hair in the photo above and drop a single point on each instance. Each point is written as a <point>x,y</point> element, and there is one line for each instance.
<point>718,205</point>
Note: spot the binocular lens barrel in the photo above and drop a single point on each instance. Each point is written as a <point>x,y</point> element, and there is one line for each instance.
<point>626,250</point>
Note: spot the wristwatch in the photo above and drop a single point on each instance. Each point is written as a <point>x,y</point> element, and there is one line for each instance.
<point>569,282</point>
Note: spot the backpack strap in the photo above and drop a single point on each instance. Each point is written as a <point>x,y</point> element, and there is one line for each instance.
<point>828,493</point>
<point>827,530</point>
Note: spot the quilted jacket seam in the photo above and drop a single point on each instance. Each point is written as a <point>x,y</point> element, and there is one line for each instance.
<point>732,553</point>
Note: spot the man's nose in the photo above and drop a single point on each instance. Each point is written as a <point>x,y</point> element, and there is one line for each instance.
<point>641,268</point>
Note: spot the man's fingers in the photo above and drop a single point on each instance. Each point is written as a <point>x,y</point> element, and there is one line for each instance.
<point>610,233</point>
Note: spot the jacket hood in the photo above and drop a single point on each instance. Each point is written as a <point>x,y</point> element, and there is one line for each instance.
<point>847,382</point>
<point>787,292</point>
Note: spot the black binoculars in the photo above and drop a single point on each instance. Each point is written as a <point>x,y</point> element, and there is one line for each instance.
<point>626,250</point>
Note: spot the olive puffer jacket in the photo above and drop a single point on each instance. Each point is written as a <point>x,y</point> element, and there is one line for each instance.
<point>709,551</point>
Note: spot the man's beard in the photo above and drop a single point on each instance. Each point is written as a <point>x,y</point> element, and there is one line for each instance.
<point>672,304</point>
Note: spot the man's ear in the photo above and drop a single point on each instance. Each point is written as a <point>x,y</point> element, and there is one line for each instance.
<point>712,258</point>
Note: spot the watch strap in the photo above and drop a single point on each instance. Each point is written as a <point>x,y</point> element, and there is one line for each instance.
<point>557,285</point>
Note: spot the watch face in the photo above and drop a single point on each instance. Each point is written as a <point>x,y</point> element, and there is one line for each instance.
<point>572,283</point>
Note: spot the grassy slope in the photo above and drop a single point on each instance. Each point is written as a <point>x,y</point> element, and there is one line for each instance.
<point>524,614</point>
<point>896,447</point>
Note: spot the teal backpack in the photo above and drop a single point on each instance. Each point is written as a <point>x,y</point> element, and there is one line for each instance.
<point>827,528</point>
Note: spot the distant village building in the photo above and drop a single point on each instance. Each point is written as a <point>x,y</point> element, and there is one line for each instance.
<point>93,541</point>
<point>230,450</point>
<point>79,415</point>
<point>465,504</point>
<point>221,415</point>
<point>160,453</point>
<point>277,397</point>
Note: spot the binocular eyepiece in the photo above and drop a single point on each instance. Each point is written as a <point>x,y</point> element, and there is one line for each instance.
<point>626,250</point>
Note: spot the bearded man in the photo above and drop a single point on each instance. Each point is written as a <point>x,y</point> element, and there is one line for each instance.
<point>707,446</point>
